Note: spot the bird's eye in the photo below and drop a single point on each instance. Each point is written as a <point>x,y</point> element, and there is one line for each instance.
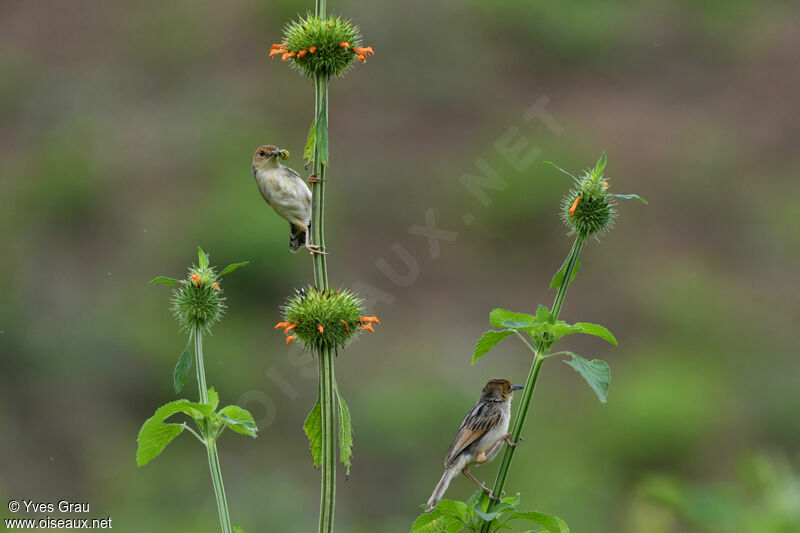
<point>262,153</point>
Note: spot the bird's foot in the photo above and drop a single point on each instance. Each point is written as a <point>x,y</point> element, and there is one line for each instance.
<point>312,179</point>
<point>510,442</point>
<point>314,249</point>
<point>495,498</point>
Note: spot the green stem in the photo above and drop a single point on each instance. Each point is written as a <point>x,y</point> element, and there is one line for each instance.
<point>539,356</point>
<point>210,439</point>
<point>326,376</point>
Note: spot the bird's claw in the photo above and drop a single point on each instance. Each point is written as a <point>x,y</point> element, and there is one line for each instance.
<point>312,179</point>
<point>315,250</point>
<point>511,443</point>
<point>495,498</point>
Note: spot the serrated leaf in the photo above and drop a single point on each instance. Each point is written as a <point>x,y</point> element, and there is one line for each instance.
<point>597,330</point>
<point>345,432</point>
<point>498,316</point>
<point>496,511</point>
<point>230,268</point>
<point>488,341</point>
<point>543,315</point>
<point>202,258</point>
<point>518,323</point>
<point>213,398</point>
<point>452,508</point>
<point>239,420</point>
<point>308,153</point>
<point>182,369</point>
<point>595,372</point>
<point>551,164</point>
<point>550,523</point>
<point>155,434</point>
<point>601,165</point>
<point>313,429</point>
<point>164,280</point>
<point>555,283</point>
<point>436,523</point>
<point>630,197</point>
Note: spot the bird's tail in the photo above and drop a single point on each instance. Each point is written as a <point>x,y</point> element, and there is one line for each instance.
<point>297,237</point>
<point>438,492</point>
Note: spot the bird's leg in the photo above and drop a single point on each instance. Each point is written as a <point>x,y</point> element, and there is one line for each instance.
<point>491,452</point>
<point>465,471</point>
<point>510,442</point>
<point>312,248</point>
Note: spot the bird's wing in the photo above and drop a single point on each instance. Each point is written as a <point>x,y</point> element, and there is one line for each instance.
<point>480,419</point>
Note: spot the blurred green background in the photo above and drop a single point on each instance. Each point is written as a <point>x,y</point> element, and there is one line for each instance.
<point>126,135</point>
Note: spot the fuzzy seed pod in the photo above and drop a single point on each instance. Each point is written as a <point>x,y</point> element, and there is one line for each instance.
<point>325,320</point>
<point>588,208</point>
<point>323,47</point>
<point>198,300</point>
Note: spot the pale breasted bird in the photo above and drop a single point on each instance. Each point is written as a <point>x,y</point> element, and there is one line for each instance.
<point>480,436</point>
<point>286,192</point>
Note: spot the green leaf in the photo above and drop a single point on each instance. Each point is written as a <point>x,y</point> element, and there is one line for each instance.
<point>544,316</point>
<point>313,428</point>
<point>498,316</point>
<point>488,341</point>
<point>601,165</point>
<point>239,420</point>
<point>165,280</point>
<point>155,434</point>
<point>182,369</point>
<point>345,432</point>
<point>551,164</point>
<point>597,330</point>
<point>496,511</point>
<point>551,524</point>
<point>434,522</point>
<point>452,508</point>
<point>237,528</point>
<point>202,258</point>
<point>321,134</point>
<point>555,283</point>
<point>630,197</point>
<point>595,372</point>
<point>230,268</point>
<point>308,153</point>
<point>213,399</point>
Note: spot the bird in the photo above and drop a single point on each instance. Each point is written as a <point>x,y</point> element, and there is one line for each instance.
<point>286,192</point>
<point>480,436</point>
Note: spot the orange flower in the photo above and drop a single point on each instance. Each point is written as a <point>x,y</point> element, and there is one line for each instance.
<point>279,45</point>
<point>361,58</point>
<point>282,325</point>
<point>301,53</point>
<point>346,325</point>
<point>215,286</point>
<point>288,55</point>
<point>289,328</point>
<point>330,25</point>
<point>574,205</point>
<point>605,184</point>
<point>278,51</point>
<point>290,339</point>
<point>312,49</point>
<point>367,327</point>
<point>364,51</point>
<point>344,44</point>
<point>196,279</point>
<point>321,329</point>
<point>369,319</point>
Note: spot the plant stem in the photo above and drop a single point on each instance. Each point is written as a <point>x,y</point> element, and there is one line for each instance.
<point>539,356</point>
<point>210,439</point>
<point>326,376</point>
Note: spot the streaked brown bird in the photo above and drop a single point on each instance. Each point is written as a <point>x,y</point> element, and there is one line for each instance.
<point>286,192</point>
<point>480,436</point>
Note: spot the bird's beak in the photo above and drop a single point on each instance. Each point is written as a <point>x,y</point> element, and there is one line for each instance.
<point>275,153</point>
<point>517,387</point>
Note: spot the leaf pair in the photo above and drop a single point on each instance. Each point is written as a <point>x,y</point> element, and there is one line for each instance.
<point>202,262</point>
<point>313,429</point>
<point>450,516</point>
<point>156,433</point>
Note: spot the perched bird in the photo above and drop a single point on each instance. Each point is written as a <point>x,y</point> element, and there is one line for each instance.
<point>480,436</point>
<point>286,192</point>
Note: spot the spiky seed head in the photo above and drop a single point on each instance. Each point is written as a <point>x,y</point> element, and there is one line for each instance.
<point>588,208</point>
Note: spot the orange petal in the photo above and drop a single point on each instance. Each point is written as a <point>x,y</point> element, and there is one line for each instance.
<point>330,25</point>
<point>196,279</point>
<point>278,51</point>
<point>369,319</point>
<point>215,286</point>
<point>301,53</point>
<point>369,50</point>
<point>605,184</point>
<point>361,58</point>
<point>290,339</point>
<point>289,328</point>
<point>574,205</point>
<point>345,325</point>
<point>287,56</point>
<point>367,327</point>
<point>344,44</point>
<point>321,329</point>
<point>312,49</point>
<point>279,45</point>
<point>281,325</point>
